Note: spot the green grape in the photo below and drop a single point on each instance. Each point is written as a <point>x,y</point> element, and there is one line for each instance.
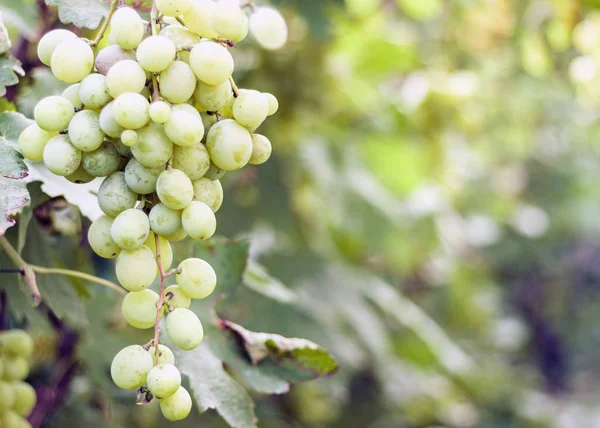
<point>229,20</point>
<point>176,298</point>
<point>130,229</point>
<point>72,94</point>
<point>197,278</point>
<point>108,122</point>
<point>174,189</point>
<point>166,252</point>
<point>165,355</point>
<point>211,62</point>
<point>187,108</point>
<point>177,82</point>
<point>80,176</point>
<point>122,149</point>
<point>250,109</point>
<point>50,41</point>
<point>16,343</point>
<point>163,380</point>
<point>182,38</point>
<point>72,60</point>
<point>32,141</point>
<point>125,76</point>
<point>268,28</point>
<point>273,103</point>
<point>153,148</point>
<point>130,367</point>
<point>208,191</point>
<point>184,329</point>
<point>103,161</point>
<point>212,98</point>
<point>93,91</point>
<point>85,132</point>
<point>180,235</point>
<point>25,398</point>
<point>261,149</point>
<point>8,396</point>
<point>13,420</point>
<point>136,269</point>
<point>141,179</point>
<point>173,7</point>
<point>227,110</point>
<point>131,110</point>
<point>139,308</point>
<point>110,56</point>
<point>53,113</point>
<point>229,145</point>
<point>199,220</point>
<point>160,112</point>
<point>156,53</point>
<point>184,129</point>
<point>114,196</point>
<point>129,137</point>
<point>61,157</point>
<point>193,161</point>
<point>198,18</point>
<point>164,220</point>
<point>15,368</point>
<point>208,120</point>
<point>178,406</point>
<point>100,240</point>
<point>214,172</point>
<point>127,28</point>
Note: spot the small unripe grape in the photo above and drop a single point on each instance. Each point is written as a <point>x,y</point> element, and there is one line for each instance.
<point>180,235</point>
<point>15,368</point>
<point>72,60</point>
<point>176,298</point>
<point>16,343</point>
<point>178,406</point>
<point>136,269</point>
<point>184,329</point>
<point>85,132</point>
<point>100,240</point>
<point>229,145</point>
<point>130,367</point>
<point>108,122</point>
<point>127,28</point>
<point>156,53</point>
<point>32,141</point>
<point>163,380</point>
<point>141,179</point>
<point>139,308</point>
<point>197,278</point>
<point>165,355</point>
<point>174,189</point>
<point>229,20</point>
<point>101,162</point>
<point>160,112</point>
<point>61,157</point>
<point>131,110</point>
<point>198,18</point>
<point>110,56</point>
<point>250,109</point>
<point>166,252</point>
<point>53,113</point>
<point>130,229</point>
<point>212,98</point>
<point>125,76</point>
<point>214,172</point>
<point>208,191</point>
<point>184,129</point>
<point>129,137</point>
<point>8,396</point>
<point>25,398</point>
<point>268,28</point>
<point>80,176</point>
<point>93,91</point>
<point>72,94</point>
<point>114,196</point>
<point>211,62</point>
<point>50,41</point>
<point>261,149</point>
<point>177,82</point>
<point>153,148</point>
<point>273,103</point>
<point>193,161</point>
<point>199,220</point>
<point>164,220</point>
<point>173,7</point>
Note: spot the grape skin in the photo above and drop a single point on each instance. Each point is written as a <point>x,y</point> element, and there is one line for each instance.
<point>130,367</point>
<point>199,220</point>
<point>72,94</point>
<point>273,103</point>
<point>261,149</point>
<point>177,82</point>
<point>72,60</point>
<point>198,18</point>
<point>61,157</point>
<point>15,368</point>
<point>129,137</point>
<point>32,141</point>
<point>130,229</point>
<point>16,343</point>
<point>214,172</point>
<point>127,28</point>
<point>139,308</point>
<point>164,220</point>
<point>8,396</point>
<point>212,97</point>
<point>182,38</point>
<point>208,120</point>
<point>180,235</point>
<point>136,269</point>
<point>50,41</point>
<point>173,7</point>
<point>53,113</point>
<point>178,406</point>
<point>153,148</point>
<point>178,298</point>
<point>250,109</point>
<point>125,76</point>
<point>268,28</point>
<point>208,191</point>
<point>100,239</point>
<point>114,196</point>
<point>131,110</point>
<point>197,278</point>
<point>156,53</point>
<point>165,355</point>
<point>211,62</point>
<point>93,91</point>
<point>163,380</point>
<point>110,56</point>
<point>160,112</point>
<point>174,189</point>
<point>108,122</point>
<point>229,20</point>
<point>101,162</point>
<point>184,329</point>
<point>25,398</point>
<point>85,132</point>
<point>80,176</point>
<point>193,161</point>
<point>13,420</point>
<point>229,145</point>
<point>141,179</point>
<point>184,129</point>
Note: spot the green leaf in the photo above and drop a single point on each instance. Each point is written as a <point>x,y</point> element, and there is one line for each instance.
<point>11,162</point>
<point>81,13</point>
<point>13,197</point>
<point>11,126</point>
<point>257,278</point>
<point>10,70</point>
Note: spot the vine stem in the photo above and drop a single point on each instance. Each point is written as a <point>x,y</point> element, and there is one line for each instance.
<point>153,25</point>
<point>111,12</point>
<point>234,88</point>
<point>28,274</point>
<point>161,297</point>
<point>77,274</point>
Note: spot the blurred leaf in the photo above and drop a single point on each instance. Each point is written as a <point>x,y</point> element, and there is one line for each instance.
<point>11,162</point>
<point>12,124</point>
<point>43,85</point>
<point>10,70</point>
<point>258,279</point>
<point>81,13</point>
<point>13,197</point>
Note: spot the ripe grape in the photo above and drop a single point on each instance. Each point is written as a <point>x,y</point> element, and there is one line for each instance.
<point>229,145</point>
<point>50,41</point>
<point>184,329</point>
<point>15,368</point>
<point>174,189</point>
<point>212,98</point>
<point>85,132</point>
<point>61,157</point>
<point>199,220</point>
<point>32,141</point>
<point>122,149</point>
<point>184,128</point>
<point>193,161</point>
<point>141,179</point>
<point>177,82</point>
<point>53,113</point>
<point>80,176</point>
<point>176,298</point>
<point>139,308</point>
<point>25,398</point>
<point>166,252</point>
<point>131,110</point>
<point>110,56</point>
<point>125,76</point>
<point>160,112</point>
<point>129,137</point>
<point>273,103</point>
<point>156,53</point>
<point>214,172</point>
<point>268,28</point>
<point>229,20</point>
<point>261,149</point>
<point>108,122</point>
<point>130,367</point>
<point>127,28</point>
<point>197,278</point>
<point>198,18</point>
<point>100,240</point>
<point>114,196</point>
<point>165,355</point>
<point>136,269</point>
<point>8,396</point>
<point>72,94</point>
<point>93,91</point>
<point>164,220</point>
<point>13,420</point>
<point>163,380</point>
<point>250,109</point>
<point>187,108</point>
<point>103,161</point>
<point>72,60</point>
<point>208,191</point>
<point>16,343</point>
<point>130,229</point>
<point>211,62</point>
<point>178,406</point>
<point>172,7</point>
<point>153,148</point>
<point>180,235</point>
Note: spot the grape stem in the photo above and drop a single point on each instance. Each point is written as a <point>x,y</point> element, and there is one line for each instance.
<point>27,271</point>
<point>113,8</point>
<point>77,274</point>
<point>234,88</point>
<point>153,25</point>
<point>161,298</point>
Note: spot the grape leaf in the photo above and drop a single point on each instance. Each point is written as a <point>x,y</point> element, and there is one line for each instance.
<point>13,197</point>
<point>11,126</point>
<point>258,279</point>
<point>10,70</point>
<point>11,162</point>
<point>81,13</point>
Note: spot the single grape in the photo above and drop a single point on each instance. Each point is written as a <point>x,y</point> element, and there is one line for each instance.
<point>214,172</point>
<point>108,122</point>
<point>32,141</point>
<point>208,120</point>
<point>193,161</point>
<point>130,367</point>
<point>16,343</point>
<point>211,62</point>
<point>166,252</point>
<point>178,406</point>
<point>153,148</point>
<point>103,161</point>
<point>250,109</point>
<point>156,53</point>
<point>131,110</point>
<point>13,420</point>
<point>72,94</point>
<point>129,137</point>
<point>208,191</point>
<point>177,82</point>
<point>261,149</point>
<point>174,189</point>
<point>93,91</point>
<point>212,98</point>
<point>187,108</point>
<point>25,398</point>
<point>85,132</point>
<point>160,112</point>
<point>229,20</point>
<point>110,56</point>
<point>141,179</point>
<point>165,355</point>
<point>50,41</point>
<point>229,145</point>
<point>199,220</point>
<point>273,103</point>
<point>122,149</point>
<point>173,7</point>
<point>80,176</point>
<point>164,220</point>
<point>53,113</point>
<point>136,269</point>
<point>8,396</point>
<point>15,368</point>
<point>198,18</point>
<point>163,380</point>
<point>127,28</point>
<point>72,60</point>
<point>197,278</point>
<point>130,229</point>
<point>100,240</point>
<point>268,28</point>
<point>184,329</point>
<point>176,298</point>
<point>125,76</point>
<point>139,308</point>
<point>184,129</point>
<point>180,235</point>
<point>61,157</point>
<point>114,196</point>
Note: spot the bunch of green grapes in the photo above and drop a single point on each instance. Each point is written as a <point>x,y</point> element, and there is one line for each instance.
<point>158,116</point>
<point>17,398</point>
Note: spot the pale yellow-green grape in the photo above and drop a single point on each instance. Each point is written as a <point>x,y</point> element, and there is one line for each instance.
<point>212,98</point>
<point>268,28</point>
<point>229,20</point>
<point>229,145</point>
<point>178,406</point>
<point>173,7</point>
<point>15,368</point>
<point>8,396</point>
<point>122,149</point>
<point>114,196</point>
<point>13,420</point>
<point>160,112</point>
<point>130,367</point>
<point>72,94</point>
<point>180,235</point>
<point>174,189</point>
<point>198,18</point>
<point>273,103</point>
<point>110,56</point>
<point>199,220</point>
<point>136,269</point>
<point>80,176</point>
<point>197,278</point>
<point>182,38</point>
<point>214,172</point>
<point>25,398</point>
<point>164,220</point>
<point>108,123</point>
<point>193,161</point>
<point>93,91</point>
<point>186,107</point>
<point>163,380</point>
<point>261,149</point>
<point>176,298</point>
<point>131,110</point>
<point>125,76</point>
<point>177,82</point>
<point>100,240</point>
<point>153,148</point>
<point>211,62</point>
<point>250,109</point>
<point>141,179</point>
<point>50,41</point>
<point>103,161</point>
<point>85,132</point>
<point>156,53</point>
<point>130,229</point>
<point>166,252</point>
<point>184,329</point>
<point>139,308</point>
<point>165,355</point>
<point>61,157</point>
<point>16,343</point>
<point>53,113</point>
<point>208,191</point>
<point>129,137</point>
<point>72,60</point>
<point>32,141</point>
<point>127,28</point>
<point>184,129</point>
<point>227,110</point>
<point>208,120</point>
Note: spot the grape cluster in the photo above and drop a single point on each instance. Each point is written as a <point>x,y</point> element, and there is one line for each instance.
<point>17,398</point>
<point>157,114</point>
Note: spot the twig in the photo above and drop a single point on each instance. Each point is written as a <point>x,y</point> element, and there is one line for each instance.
<point>77,274</point>
<point>155,90</point>
<point>28,275</point>
<point>113,8</point>
<point>234,88</point>
<point>161,298</point>
<point>180,20</point>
